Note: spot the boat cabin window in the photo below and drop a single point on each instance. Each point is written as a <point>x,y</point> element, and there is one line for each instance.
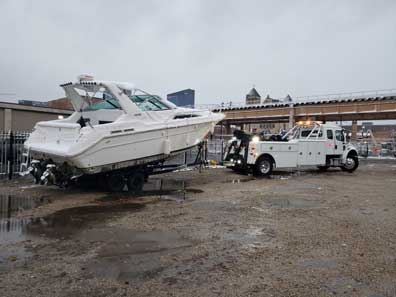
<point>148,103</point>
<point>144,102</point>
<point>183,116</point>
<point>104,122</point>
<point>108,104</point>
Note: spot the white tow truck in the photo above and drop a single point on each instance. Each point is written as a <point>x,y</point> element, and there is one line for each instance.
<point>306,144</point>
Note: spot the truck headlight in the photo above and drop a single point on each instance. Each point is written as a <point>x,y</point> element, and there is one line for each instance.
<point>255,138</point>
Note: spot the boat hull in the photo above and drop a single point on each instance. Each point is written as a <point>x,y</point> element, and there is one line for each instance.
<point>126,149</point>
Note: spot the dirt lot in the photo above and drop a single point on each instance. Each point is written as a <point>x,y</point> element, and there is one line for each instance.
<point>214,233</point>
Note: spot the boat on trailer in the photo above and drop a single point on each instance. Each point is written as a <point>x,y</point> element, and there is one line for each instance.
<point>114,132</point>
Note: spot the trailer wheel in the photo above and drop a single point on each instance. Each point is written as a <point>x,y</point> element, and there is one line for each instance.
<point>263,166</point>
<point>115,182</point>
<point>351,164</point>
<point>135,182</point>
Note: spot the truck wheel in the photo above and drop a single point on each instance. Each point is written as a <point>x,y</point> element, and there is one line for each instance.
<point>352,162</point>
<point>135,182</point>
<point>263,167</point>
<point>115,182</point>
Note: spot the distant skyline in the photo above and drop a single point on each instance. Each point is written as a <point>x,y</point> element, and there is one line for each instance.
<point>219,48</point>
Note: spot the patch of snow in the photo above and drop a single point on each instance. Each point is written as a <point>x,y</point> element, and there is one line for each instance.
<point>380,158</point>
<point>30,187</point>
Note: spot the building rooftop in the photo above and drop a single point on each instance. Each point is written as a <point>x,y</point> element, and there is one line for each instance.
<point>253,93</point>
<point>182,91</point>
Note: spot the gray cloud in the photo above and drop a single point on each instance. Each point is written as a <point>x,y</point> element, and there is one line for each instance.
<point>220,48</point>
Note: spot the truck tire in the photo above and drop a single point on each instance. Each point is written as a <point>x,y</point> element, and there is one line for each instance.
<point>263,167</point>
<point>135,182</point>
<point>352,163</point>
<point>115,182</point>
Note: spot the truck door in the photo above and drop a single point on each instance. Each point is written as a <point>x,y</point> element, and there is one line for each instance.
<point>339,142</point>
<point>329,142</point>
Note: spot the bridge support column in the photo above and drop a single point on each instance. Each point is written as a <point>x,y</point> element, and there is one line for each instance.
<point>7,119</point>
<point>291,116</point>
<point>354,130</point>
<point>227,129</point>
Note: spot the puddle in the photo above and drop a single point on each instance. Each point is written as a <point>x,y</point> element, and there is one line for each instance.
<point>67,221</point>
<point>124,255</point>
<point>10,227</point>
<point>70,221</point>
<point>293,203</point>
<point>10,204</point>
<point>130,256</point>
<point>62,224</point>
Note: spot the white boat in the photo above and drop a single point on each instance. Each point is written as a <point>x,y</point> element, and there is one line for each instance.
<point>126,128</point>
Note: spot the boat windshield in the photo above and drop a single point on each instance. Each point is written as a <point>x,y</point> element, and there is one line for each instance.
<point>144,102</point>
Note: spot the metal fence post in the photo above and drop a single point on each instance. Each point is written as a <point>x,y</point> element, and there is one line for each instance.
<point>11,156</point>
<point>222,150</point>
<point>206,151</point>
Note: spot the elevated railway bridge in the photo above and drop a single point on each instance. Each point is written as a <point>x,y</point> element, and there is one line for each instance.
<point>373,105</point>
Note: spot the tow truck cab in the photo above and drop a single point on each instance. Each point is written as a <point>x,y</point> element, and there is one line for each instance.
<point>306,144</point>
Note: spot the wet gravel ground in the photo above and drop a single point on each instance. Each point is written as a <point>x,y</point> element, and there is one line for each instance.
<point>215,233</point>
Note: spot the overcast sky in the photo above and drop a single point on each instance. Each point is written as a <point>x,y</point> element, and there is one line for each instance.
<point>219,48</point>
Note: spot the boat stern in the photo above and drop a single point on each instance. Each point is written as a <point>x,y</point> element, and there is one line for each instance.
<point>52,140</point>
